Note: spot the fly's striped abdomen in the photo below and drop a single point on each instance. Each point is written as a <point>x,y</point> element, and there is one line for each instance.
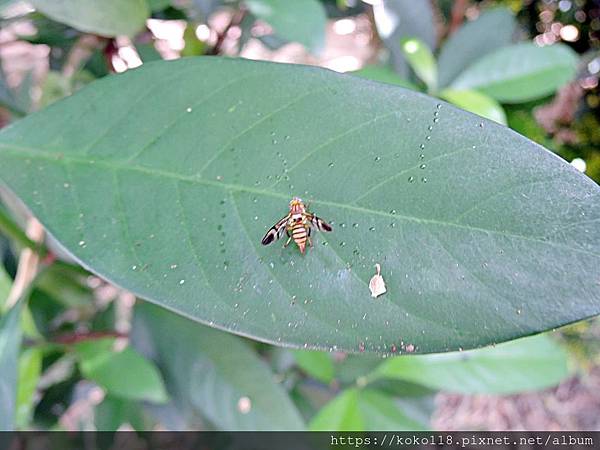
<point>299,235</point>
<point>298,224</point>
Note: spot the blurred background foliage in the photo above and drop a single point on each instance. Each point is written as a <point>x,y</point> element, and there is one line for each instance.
<point>90,356</point>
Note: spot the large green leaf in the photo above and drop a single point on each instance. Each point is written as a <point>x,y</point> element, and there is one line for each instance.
<point>520,72</point>
<point>482,235</point>
<point>103,17</point>
<point>10,342</point>
<point>214,375</point>
<point>490,31</point>
<point>522,365</point>
<point>300,21</point>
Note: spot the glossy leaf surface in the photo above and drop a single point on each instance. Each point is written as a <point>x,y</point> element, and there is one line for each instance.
<point>482,235</point>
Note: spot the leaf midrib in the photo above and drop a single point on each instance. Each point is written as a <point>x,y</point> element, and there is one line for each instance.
<point>116,166</point>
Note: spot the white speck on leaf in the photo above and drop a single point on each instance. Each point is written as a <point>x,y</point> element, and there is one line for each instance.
<point>244,405</point>
<point>377,285</point>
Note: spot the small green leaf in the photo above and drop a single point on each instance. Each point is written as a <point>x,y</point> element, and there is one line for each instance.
<point>104,17</point>
<point>114,412</point>
<point>381,413</point>
<point>492,30</point>
<point>524,365</point>
<point>193,45</point>
<point>340,414</point>
<point>421,60</point>
<point>30,368</point>
<point>384,75</point>
<point>10,343</point>
<point>296,21</point>
<point>520,72</point>
<point>317,364</point>
<point>214,374</point>
<point>60,284</point>
<point>5,285</point>
<point>398,19</point>
<point>477,103</point>
<point>137,378</point>
<point>363,410</point>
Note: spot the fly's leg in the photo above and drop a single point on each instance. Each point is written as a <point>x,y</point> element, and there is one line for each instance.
<point>308,230</point>
<point>289,239</point>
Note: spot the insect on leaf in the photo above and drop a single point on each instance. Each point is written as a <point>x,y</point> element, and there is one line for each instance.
<point>483,235</point>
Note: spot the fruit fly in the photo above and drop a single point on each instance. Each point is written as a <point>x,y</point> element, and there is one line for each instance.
<point>298,224</point>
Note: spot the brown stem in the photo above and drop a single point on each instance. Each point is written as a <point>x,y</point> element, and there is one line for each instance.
<point>109,51</point>
<point>80,53</point>
<point>458,14</point>
<point>74,338</point>
<point>28,265</point>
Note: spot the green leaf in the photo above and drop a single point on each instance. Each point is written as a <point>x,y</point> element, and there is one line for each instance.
<point>137,378</point>
<point>30,368</point>
<point>520,72</point>
<point>5,285</point>
<point>302,22</point>
<point>104,17</point>
<point>354,367</point>
<point>10,342</point>
<point>317,364</point>
<point>523,365</point>
<point>340,414</point>
<point>492,30</point>
<point>381,413</point>
<point>421,60</point>
<point>363,410</point>
<point>398,19</point>
<point>477,103</point>
<point>59,283</point>
<point>54,87</point>
<point>193,45</point>
<point>384,75</point>
<point>113,412</point>
<point>168,192</point>
<point>158,5</point>
<point>214,374</point>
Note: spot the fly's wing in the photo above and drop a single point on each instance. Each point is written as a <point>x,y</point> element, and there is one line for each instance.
<point>275,232</point>
<point>320,224</point>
